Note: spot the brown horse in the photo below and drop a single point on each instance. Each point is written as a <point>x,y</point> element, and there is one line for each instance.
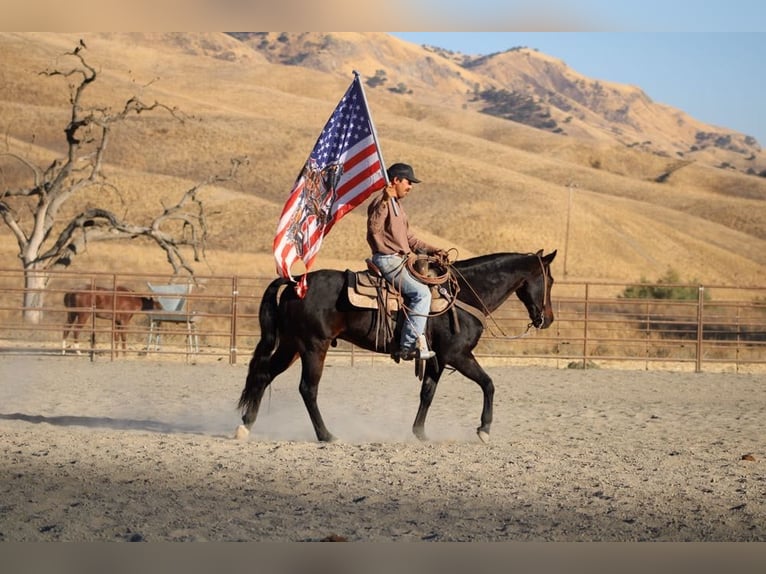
<point>122,303</point>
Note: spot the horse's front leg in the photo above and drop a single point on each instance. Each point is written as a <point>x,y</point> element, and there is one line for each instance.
<point>427,392</point>
<point>68,328</point>
<point>470,368</point>
<point>120,336</point>
<point>311,373</point>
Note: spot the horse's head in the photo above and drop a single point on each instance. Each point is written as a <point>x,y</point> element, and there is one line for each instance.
<point>535,291</point>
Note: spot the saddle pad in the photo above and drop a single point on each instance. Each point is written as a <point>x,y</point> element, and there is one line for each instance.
<point>363,292</point>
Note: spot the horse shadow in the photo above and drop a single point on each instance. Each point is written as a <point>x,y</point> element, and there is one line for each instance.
<point>106,422</point>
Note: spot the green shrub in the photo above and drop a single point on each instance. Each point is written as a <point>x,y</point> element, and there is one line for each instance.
<point>378,79</point>
<point>667,287</point>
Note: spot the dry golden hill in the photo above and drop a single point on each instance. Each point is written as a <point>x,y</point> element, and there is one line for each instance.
<point>490,184</point>
<point>521,84</point>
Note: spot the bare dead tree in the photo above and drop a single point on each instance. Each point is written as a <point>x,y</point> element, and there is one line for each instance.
<point>45,242</point>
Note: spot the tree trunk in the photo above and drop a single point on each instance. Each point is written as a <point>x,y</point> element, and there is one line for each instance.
<point>35,282</point>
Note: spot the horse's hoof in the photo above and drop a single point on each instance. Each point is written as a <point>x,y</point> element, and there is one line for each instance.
<point>242,432</point>
<point>420,434</point>
<point>483,436</point>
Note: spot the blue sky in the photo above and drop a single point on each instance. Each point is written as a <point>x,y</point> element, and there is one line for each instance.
<point>716,77</point>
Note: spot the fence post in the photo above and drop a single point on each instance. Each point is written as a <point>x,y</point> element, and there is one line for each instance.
<point>700,306</point>
<point>92,319</point>
<point>739,339</point>
<point>647,334</point>
<point>234,313</point>
<point>585,330</point>
<point>113,337</point>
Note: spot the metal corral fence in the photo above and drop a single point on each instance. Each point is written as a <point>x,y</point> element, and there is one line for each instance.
<point>718,328</point>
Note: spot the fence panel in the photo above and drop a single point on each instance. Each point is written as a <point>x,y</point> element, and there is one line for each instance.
<point>712,327</point>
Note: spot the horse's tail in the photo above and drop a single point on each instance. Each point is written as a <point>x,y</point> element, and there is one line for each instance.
<point>259,364</point>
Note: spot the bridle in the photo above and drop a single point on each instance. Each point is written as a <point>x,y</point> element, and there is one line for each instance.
<point>536,323</point>
<point>546,278</point>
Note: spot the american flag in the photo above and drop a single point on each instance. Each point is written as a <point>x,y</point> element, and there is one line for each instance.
<point>343,169</point>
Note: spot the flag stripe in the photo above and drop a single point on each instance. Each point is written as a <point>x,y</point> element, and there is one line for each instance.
<point>369,150</point>
<point>361,181</point>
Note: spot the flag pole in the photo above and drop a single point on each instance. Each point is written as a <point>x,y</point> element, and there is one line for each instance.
<point>372,126</point>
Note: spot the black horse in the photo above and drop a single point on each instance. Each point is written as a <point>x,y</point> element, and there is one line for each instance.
<point>307,327</point>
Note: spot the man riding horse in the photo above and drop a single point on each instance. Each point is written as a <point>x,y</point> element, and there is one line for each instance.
<point>392,242</point>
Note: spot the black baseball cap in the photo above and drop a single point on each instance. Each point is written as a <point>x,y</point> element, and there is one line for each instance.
<point>402,170</point>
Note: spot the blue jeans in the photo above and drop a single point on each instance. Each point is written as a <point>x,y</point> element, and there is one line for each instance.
<point>417,296</point>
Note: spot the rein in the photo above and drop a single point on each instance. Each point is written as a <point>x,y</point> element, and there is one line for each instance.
<point>488,313</point>
<point>414,261</point>
<point>531,324</point>
<point>442,262</point>
<point>449,274</point>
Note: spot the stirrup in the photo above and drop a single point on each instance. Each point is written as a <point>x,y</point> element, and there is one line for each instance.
<point>410,354</point>
<point>423,352</point>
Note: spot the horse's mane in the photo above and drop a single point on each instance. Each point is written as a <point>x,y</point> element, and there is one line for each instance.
<point>483,261</point>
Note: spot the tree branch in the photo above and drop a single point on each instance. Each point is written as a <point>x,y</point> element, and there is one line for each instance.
<point>99,225</point>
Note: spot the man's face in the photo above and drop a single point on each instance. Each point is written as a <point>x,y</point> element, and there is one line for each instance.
<point>402,186</point>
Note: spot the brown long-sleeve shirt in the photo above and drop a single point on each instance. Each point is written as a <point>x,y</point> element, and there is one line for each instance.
<point>388,230</point>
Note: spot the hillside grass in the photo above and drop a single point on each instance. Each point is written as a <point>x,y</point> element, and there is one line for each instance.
<point>488,184</point>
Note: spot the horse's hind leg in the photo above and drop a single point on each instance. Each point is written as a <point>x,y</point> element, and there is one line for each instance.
<point>261,372</point>
<point>124,343</point>
<point>311,373</point>
<point>116,338</point>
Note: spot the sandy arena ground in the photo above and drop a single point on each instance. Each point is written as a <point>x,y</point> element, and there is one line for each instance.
<point>142,451</point>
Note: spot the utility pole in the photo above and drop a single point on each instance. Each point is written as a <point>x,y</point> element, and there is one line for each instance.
<point>570,187</point>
